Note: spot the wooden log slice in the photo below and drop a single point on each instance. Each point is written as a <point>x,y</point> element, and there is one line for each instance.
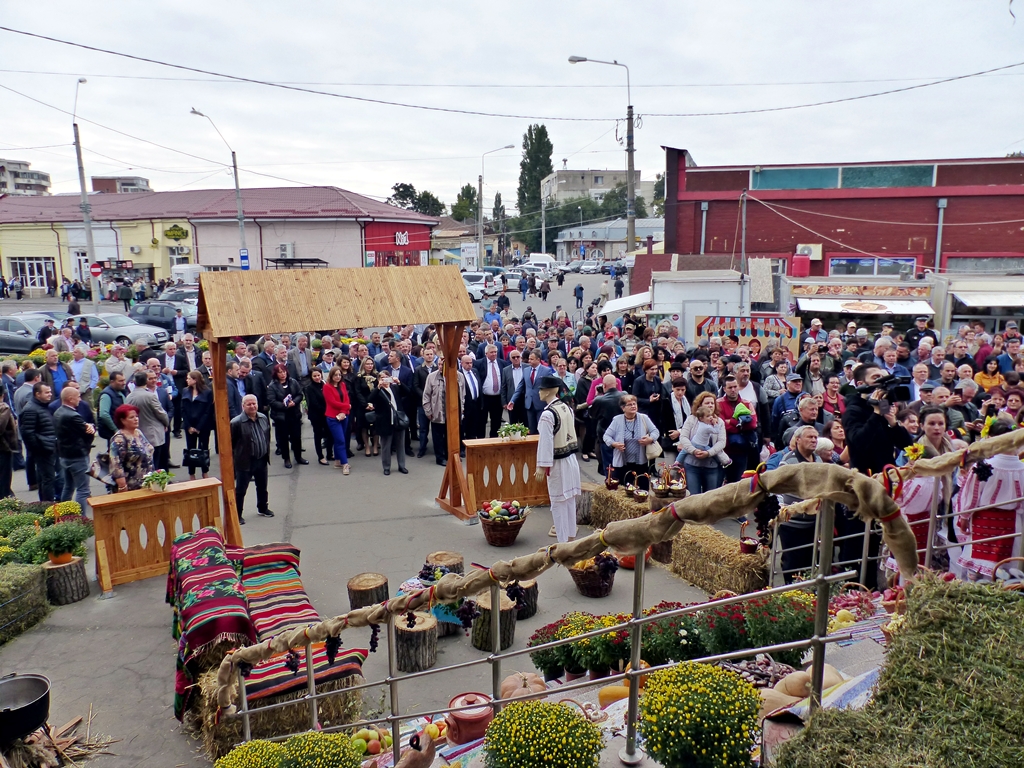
<point>66,584</point>
<point>367,589</point>
<point>450,560</point>
<point>529,601</point>
<point>416,646</point>
<point>583,502</point>
<point>480,635</point>
<point>447,629</point>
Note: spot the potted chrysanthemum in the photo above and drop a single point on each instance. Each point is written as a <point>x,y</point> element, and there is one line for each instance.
<point>562,737</point>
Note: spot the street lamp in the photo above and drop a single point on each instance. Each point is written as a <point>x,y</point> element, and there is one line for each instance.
<point>90,245</point>
<point>243,253</point>
<point>580,209</point>
<point>480,203</point>
<point>630,181</point>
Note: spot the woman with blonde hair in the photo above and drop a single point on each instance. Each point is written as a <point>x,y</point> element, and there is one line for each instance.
<point>702,444</point>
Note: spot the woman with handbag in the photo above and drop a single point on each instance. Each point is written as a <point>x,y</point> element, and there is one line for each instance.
<point>284,396</point>
<point>366,387</point>
<point>338,405</point>
<point>316,409</point>
<point>634,438</point>
<point>197,420</point>
<point>391,422</point>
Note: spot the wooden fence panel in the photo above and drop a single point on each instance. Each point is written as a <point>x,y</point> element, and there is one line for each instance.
<point>504,470</point>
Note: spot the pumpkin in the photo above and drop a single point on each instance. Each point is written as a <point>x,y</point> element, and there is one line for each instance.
<point>522,684</point>
<point>642,678</point>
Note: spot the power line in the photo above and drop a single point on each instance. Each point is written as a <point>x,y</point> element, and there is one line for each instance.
<point>893,223</point>
<point>44,146</point>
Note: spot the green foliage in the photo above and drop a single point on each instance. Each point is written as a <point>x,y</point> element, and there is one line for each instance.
<point>465,206</point>
<point>10,505</point>
<point>428,204</point>
<point>547,661</point>
<point>321,750</point>
<point>613,206</point>
<point>699,716</point>
<point>22,599</point>
<point>658,203</point>
<point>540,734</point>
<point>535,165</point>
<point>499,224</point>
<point>670,639</point>
<point>255,754</point>
<point>781,618</point>
<point>19,536</point>
<point>9,523</point>
<point>63,537</point>
<point>724,629</point>
<point>406,196</point>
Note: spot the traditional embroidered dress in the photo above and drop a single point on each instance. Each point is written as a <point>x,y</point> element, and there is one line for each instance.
<point>556,452</point>
<point>999,512</point>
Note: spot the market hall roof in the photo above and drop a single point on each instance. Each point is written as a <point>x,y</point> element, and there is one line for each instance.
<point>250,303</point>
<point>263,203</point>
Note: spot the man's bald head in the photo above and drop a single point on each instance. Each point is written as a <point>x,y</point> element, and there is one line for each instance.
<point>610,383</point>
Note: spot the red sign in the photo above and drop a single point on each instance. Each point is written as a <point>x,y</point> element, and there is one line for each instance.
<point>96,270</point>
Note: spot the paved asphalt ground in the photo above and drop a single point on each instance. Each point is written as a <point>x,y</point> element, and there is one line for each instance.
<point>117,655</point>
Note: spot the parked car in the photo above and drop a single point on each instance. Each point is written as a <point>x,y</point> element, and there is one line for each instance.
<point>484,279</point>
<point>162,313</point>
<point>475,290</point>
<point>57,315</point>
<point>186,293</point>
<point>533,269</point>
<point>495,272</point>
<point>590,267</point>
<point>109,328</point>
<point>572,266</point>
<point>18,332</point>
<point>617,267</point>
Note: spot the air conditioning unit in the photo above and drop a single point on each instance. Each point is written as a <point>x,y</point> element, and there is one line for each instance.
<point>286,251</point>
<point>184,250</point>
<point>135,249</point>
<point>811,250</point>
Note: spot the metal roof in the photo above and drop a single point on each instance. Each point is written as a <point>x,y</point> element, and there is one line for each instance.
<point>263,203</point>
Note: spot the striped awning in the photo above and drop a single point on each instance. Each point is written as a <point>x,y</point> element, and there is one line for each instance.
<point>763,327</point>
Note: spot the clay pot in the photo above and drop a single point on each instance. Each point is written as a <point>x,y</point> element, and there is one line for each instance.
<point>62,559</point>
<point>469,724</point>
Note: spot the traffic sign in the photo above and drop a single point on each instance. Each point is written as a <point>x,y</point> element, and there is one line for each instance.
<point>96,270</point>
<point>243,254</point>
<point>583,250</point>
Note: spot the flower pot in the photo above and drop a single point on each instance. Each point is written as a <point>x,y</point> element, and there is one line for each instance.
<point>61,559</point>
<point>157,488</point>
<point>552,674</point>
<point>570,676</point>
<point>515,437</point>
<point>599,674</point>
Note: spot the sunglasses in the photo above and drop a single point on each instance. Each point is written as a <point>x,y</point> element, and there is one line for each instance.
<point>696,368</point>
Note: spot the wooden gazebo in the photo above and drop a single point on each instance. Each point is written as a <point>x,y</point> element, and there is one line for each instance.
<point>252,303</point>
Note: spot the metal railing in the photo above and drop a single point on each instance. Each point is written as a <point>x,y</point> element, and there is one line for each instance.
<point>629,754</point>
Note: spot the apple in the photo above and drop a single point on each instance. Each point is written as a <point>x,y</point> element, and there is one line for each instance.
<point>387,740</point>
<point>359,745</point>
<point>515,504</point>
<point>366,734</point>
<point>373,747</point>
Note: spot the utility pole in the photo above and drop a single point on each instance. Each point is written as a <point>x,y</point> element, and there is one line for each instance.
<point>90,246</point>
<point>243,252</point>
<point>480,221</point>
<point>630,181</point>
<point>743,246</point>
<point>543,222</point>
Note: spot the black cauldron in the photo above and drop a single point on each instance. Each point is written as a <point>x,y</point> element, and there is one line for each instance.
<point>24,705</point>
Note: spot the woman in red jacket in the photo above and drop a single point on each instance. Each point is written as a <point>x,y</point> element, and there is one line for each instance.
<point>339,406</point>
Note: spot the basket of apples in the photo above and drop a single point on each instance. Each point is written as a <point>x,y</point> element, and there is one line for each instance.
<point>501,521</point>
<point>371,740</point>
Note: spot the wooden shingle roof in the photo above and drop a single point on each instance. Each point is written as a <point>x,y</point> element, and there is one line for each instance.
<point>250,303</point>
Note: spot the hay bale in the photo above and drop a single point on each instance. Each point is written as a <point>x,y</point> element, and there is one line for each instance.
<point>711,560</point>
<point>23,600</point>
<point>609,506</point>
<point>219,737</point>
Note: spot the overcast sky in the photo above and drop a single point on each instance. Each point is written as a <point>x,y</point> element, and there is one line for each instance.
<point>506,58</point>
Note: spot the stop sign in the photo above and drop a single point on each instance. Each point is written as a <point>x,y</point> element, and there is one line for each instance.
<point>96,270</point>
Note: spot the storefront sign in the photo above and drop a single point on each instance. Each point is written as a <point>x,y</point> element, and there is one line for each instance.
<point>176,233</point>
<point>401,238</point>
<point>892,291</point>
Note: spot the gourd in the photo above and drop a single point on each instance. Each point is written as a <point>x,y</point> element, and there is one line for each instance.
<point>799,683</point>
<point>772,699</point>
<point>522,684</point>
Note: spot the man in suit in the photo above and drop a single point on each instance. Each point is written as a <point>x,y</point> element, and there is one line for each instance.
<point>511,378</point>
<point>173,364</point>
<point>250,447</point>
<point>265,359</point>
<point>153,419</point>
<point>207,367</point>
<point>300,362</point>
<point>528,392</point>
<point>488,370</point>
<point>40,438</point>
<point>236,390</point>
<point>145,352</point>
<point>255,384</point>
<point>428,366</point>
<point>473,407</point>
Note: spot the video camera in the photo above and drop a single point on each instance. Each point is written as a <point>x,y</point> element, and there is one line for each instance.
<point>896,389</point>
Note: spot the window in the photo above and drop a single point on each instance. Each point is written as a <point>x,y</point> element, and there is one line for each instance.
<point>34,270</point>
<point>174,252</point>
<point>869,265</point>
<point>599,181</point>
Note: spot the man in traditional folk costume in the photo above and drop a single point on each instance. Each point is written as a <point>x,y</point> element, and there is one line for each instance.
<point>556,458</point>
<point>993,489</point>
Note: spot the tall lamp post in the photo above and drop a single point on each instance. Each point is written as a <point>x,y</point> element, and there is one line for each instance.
<point>480,203</point>
<point>243,252</point>
<point>630,181</point>
<point>86,208</point>
<point>580,209</point>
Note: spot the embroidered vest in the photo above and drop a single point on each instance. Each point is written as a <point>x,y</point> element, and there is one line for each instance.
<point>564,431</point>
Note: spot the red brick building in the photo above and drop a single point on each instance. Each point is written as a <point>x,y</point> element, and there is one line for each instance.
<point>844,219</point>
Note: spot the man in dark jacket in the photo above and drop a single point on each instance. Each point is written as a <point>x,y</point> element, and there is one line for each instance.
<point>488,370</point>
<point>111,398</point>
<point>250,447</point>
<point>74,442</point>
<point>424,369</point>
<point>255,384</point>
<point>55,374</point>
<point>603,409</point>
<point>38,434</point>
<point>698,381</point>
<point>236,390</point>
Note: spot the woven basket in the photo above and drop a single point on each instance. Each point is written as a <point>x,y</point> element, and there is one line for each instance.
<point>589,583</point>
<point>501,534</point>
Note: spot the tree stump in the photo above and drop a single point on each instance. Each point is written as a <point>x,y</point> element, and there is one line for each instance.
<point>529,600</point>
<point>583,502</point>
<point>367,589</point>
<point>480,636</point>
<point>66,584</point>
<point>416,647</point>
<point>447,628</point>
<point>450,560</point>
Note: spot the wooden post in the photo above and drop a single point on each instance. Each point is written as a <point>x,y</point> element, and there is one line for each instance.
<point>453,485</point>
<point>232,530</point>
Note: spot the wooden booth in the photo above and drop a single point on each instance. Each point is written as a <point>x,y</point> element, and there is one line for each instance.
<point>235,305</point>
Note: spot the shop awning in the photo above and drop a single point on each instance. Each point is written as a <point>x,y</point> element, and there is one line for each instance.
<point>626,303</point>
<point>971,299</point>
<point>866,306</point>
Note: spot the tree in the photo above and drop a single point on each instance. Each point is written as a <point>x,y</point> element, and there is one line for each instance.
<point>428,204</point>
<point>402,196</point>
<point>406,196</point>
<point>535,165</point>
<point>614,203</point>
<point>500,224</point>
<point>465,206</point>
<point>658,203</point>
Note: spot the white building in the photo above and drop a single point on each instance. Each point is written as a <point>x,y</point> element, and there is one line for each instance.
<point>17,178</point>
<point>606,239</point>
<point>567,184</point>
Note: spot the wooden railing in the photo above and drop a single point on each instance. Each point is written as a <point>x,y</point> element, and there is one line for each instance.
<point>497,469</point>
<point>134,529</point>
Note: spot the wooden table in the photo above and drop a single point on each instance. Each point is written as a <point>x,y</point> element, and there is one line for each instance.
<point>500,469</point>
<point>135,529</point>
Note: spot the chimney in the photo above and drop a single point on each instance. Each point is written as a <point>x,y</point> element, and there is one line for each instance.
<point>650,244</point>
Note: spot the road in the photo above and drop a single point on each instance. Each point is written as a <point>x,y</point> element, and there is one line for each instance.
<point>564,295</point>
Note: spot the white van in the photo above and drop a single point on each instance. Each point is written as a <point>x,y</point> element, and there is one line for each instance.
<point>187,273</point>
<point>548,262</point>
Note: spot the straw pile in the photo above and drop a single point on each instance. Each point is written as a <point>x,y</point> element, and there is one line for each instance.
<point>709,559</point>
<point>949,694</point>
<point>609,506</point>
<point>219,737</point>
<point>22,599</point>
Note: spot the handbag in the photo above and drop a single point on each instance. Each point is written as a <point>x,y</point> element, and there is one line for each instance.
<point>653,450</point>
<point>195,457</point>
<point>401,419</point>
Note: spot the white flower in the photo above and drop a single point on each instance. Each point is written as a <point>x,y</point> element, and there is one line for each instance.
<point>682,633</point>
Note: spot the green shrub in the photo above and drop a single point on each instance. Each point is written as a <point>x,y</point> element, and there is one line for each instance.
<point>9,523</point>
<point>541,734</point>
<point>255,754</point>
<point>321,750</point>
<point>10,505</point>
<point>63,537</point>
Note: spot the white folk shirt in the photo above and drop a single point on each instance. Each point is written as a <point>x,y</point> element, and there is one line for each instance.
<point>564,474</point>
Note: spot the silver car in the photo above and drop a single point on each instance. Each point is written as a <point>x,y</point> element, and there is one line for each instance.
<point>111,328</point>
